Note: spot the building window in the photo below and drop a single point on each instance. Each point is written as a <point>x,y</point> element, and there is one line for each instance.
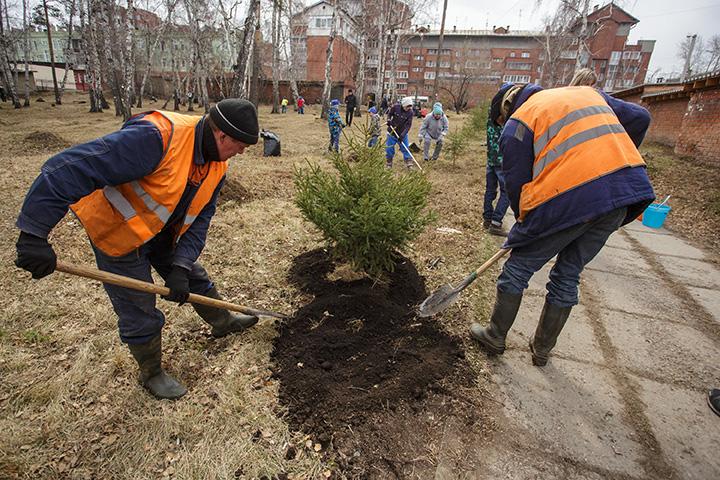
<point>418,57</point>
<point>444,64</point>
<point>429,75</point>
<point>429,64</point>
<point>402,86</point>
<point>432,51</point>
<point>403,62</point>
<point>615,58</point>
<point>518,66</point>
<point>372,44</point>
<point>567,54</point>
<point>417,69</point>
<point>402,74</point>
<point>497,60</point>
<point>525,55</point>
<point>516,78</point>
<point>323,22</point>
<point>445,51</point>
<point>405,50</point>
<point>512,54</point>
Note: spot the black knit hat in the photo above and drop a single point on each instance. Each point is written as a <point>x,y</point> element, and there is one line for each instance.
<point>237,118</point>
<point>497,101</point>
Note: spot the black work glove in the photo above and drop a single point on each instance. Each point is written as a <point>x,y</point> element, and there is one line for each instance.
<point>35,255</point>
<point>179,285</point>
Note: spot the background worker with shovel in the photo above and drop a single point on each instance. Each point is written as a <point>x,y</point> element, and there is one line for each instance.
<point>145,195</point>
<point>573,175</point>
<point>399,122</point>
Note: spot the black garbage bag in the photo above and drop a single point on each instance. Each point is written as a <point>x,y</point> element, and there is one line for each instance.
<point>271,144</point>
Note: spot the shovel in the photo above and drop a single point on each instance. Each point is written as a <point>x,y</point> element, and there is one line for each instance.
<point>446,295</point>
<point>139,285</point>
<point>403,146</point>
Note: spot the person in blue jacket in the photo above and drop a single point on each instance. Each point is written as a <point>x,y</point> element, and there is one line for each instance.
<point>335,125</point>
<point>145,195</point>
<point>573,176</point>
<point>399,122</point>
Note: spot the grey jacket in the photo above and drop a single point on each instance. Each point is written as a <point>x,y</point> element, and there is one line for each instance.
<point>434,128</point>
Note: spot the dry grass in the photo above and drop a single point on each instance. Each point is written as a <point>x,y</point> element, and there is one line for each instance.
<point>695,190</point>
<point>70,406</point>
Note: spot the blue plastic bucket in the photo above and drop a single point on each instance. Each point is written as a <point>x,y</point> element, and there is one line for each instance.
<point>654,215</point>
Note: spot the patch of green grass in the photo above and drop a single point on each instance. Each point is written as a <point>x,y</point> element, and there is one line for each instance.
<point>35,336</point>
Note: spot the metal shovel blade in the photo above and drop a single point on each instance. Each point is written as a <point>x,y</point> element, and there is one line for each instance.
<point>441,299</point>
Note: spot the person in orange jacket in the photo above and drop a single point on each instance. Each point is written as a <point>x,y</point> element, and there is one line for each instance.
<point>145,195</point>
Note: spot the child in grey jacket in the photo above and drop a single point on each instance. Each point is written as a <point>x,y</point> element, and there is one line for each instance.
<point>434,127</point>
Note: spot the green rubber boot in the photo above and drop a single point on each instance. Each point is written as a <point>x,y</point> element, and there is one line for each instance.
<point>152,376</point>
<point>223,322</point>
<point>552,321</point>
<point>492,338</point>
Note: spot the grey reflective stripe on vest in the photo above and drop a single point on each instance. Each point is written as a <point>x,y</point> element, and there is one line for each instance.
<point>120,203</point>
<point>572,142</point>
<point>571,117</point>
<point>150,202</point>
<point>189,219</point>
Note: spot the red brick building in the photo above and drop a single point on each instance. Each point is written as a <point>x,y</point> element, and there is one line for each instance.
<point>685,116</point>
<point>472,63</point>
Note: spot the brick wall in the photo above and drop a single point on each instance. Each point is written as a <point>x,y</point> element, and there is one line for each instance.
<point>667,117</point>
<point>700,133</point>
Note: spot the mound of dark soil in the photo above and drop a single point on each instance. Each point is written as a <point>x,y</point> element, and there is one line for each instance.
<point>234,190</point>
<point>355,360</point>
<point>39,141</point>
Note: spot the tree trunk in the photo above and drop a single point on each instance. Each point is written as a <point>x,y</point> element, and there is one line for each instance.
<point>26,51</point>
<point>58,99</point>
<point>392,87</point>
<point>360,79</point>
<point>328,62</point>
<point>292,78</point>
<point>243,64</point>
<point>68,48</point>
<point>158,38</point>
<point>439,51</point>
<point>90,46</point>
<point>583,35</point>
<point>5,70</point>
<point>129,63</point>
<point>276,56</point>
<point>382,47</point>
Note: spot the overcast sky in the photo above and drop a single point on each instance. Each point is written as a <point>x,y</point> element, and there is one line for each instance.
<point>666,21</point>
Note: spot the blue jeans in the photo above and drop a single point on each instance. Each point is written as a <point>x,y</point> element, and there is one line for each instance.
<point>575,247</point>
<point>390,149</point>
<point>138,318</point>
<point>493,180</point>
<point>334,142</point>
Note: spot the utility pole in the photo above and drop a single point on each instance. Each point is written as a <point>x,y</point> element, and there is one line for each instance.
<point>440,46</point>
<point>58,99</point>
<point>687,69</point>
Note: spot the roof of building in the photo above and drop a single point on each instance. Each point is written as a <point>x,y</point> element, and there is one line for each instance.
<point>592,16</point>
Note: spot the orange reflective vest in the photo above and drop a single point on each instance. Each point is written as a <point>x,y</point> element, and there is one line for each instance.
<point>576,139</point>
<point>120,219</point>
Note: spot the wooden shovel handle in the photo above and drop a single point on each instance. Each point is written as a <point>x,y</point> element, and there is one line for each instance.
<point>498,255</point>
<point>139,285</point>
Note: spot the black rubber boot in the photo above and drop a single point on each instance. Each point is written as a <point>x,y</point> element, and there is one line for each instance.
<point>152,376</point>
<point>552,321</point>
<point>492,338</point>
<point>222,321</point>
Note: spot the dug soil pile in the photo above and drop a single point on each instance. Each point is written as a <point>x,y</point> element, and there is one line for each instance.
<point>356,364</point>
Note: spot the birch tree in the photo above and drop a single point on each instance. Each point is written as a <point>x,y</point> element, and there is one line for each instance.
<point>243,64</point>
<point>277,5</point>
<point>26,49</point>
<point>6,42</point>
<point>158,38</point>
<point>68,50</point>
<point>327,87</point>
